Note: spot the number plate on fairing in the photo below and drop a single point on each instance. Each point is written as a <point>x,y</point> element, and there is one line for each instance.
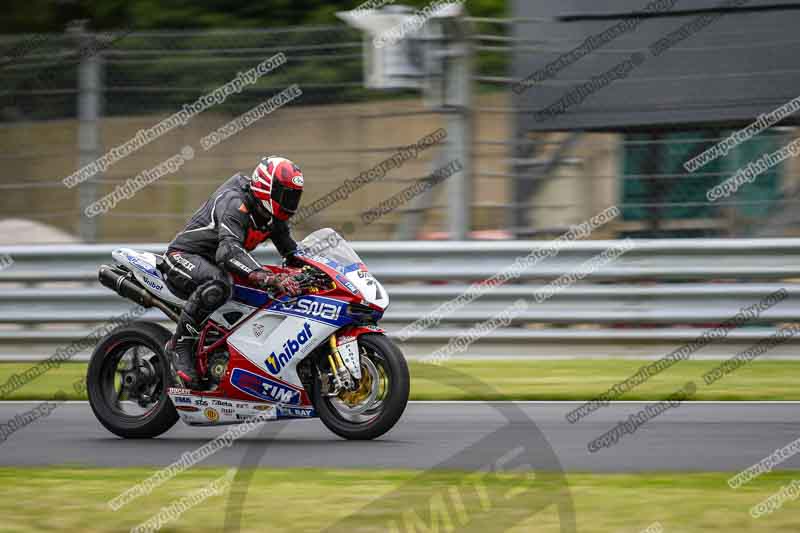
<point>351,356</point>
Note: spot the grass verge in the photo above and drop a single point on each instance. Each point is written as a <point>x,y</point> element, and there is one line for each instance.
<point>522,380</point>
<point>283,500</point>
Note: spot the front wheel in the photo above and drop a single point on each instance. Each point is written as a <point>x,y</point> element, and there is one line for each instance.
<point>127,382</point>
<point>376,406</point>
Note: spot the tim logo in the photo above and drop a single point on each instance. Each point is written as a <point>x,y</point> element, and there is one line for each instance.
<point>264,388</point>
<point>275,363</point>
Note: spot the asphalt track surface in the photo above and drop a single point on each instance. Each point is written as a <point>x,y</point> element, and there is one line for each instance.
<point>700,436</point>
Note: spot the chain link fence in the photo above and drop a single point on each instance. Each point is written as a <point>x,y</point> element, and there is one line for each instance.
<point>525,185</point>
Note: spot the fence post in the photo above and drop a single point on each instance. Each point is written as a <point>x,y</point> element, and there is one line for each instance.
<point>89,112</point>
<point>458,100</point>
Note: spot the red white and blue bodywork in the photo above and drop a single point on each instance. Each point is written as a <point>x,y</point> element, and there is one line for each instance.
<point>267,338</point>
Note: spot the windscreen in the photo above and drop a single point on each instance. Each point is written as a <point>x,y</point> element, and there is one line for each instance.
<point>327,246</point>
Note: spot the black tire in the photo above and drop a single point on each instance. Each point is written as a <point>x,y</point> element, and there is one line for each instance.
<point>163,415</point>
<point>393,405</point>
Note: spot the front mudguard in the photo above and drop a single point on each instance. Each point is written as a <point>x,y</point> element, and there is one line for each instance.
<point>345,334</point>
<point>348,347</point>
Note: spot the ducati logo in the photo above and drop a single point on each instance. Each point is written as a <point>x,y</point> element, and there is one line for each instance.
<point>258,329</point>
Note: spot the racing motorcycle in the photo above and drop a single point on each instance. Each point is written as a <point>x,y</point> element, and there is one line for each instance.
<point>317,355</point>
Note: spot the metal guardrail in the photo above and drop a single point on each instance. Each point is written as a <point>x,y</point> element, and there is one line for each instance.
<point>613,304</point>
<point>434,260</point>
<point>684,284</point>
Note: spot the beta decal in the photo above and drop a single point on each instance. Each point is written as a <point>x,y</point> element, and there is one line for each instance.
<point>264,388</point>
<point>275,363</point>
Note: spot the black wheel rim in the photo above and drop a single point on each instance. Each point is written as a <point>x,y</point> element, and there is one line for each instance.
<point>132,380</point>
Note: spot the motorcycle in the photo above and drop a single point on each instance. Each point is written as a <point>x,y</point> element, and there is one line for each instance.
<point>318,355</point>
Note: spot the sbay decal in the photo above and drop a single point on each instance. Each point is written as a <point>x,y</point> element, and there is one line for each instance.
<point>264,388</point>
<point>275,363</point>
<point>295,412</point>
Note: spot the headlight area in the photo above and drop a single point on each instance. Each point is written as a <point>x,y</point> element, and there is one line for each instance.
<point>363,314</point>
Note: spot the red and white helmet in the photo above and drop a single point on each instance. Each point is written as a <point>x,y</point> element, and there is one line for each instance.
<point>278,184</point>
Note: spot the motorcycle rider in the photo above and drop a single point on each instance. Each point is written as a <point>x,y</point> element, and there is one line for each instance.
<point>241,214</point>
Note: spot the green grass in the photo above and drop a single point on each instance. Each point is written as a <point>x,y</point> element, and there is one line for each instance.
<point>522,380</point>
<point>282,500</point>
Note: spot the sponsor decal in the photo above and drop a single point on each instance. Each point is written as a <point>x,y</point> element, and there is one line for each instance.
<point>347,284</point>
<point>182,262</point>
<point>227,411</point>
<point>262,407</point>
<point>324,310</point>
<point>181,399</point>
<point>241,265</point>
<point>298,180</point>
<point>221,402</point>
<point>190,408</point>
<point>243,417</point>
<point>295,412</point>
<point>345,339</point>
<point>211,414</point>
<point>141,264</point>
<point>275,363</point>
<point>176,390</point>
<point>242,406</point>
<point>155,285</point>
<point>264,388</point>
<point>200,401</point>
<point>258,329</point>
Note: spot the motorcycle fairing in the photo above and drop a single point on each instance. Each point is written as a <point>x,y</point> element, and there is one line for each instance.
<point>197,409</point>
<point>143,267</point>
<point>275,343</point>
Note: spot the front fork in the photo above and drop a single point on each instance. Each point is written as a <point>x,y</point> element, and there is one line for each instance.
<point>342,378</point>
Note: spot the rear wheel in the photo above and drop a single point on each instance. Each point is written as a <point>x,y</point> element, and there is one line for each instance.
<point>376,406</point>
<point>127,382</point>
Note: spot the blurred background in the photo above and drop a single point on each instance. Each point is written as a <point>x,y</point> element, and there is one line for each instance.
<point>81,77</point>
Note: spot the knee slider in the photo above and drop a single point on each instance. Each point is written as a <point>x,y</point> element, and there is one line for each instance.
<point>214,293</point>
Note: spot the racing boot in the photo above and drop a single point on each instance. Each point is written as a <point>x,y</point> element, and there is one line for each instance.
<point>181,350</point>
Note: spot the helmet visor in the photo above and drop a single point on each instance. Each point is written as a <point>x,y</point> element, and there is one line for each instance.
<point>287,198</point>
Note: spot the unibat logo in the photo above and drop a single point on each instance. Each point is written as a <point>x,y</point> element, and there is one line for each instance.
<point>275,363</point>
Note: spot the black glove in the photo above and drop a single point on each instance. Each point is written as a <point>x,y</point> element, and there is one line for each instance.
<point>291,260</point>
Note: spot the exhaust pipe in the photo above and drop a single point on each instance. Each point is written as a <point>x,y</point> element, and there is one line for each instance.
<point>119,281</point>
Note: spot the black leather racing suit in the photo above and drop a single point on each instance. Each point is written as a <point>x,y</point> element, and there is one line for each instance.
<point>217,240</point>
